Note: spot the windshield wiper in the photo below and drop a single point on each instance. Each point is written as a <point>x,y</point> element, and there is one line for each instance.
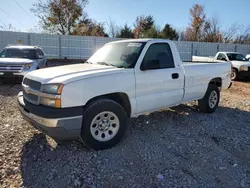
<point>104,63</point>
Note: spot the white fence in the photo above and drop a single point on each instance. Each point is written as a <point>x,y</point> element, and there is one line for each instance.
<point>82,47</point>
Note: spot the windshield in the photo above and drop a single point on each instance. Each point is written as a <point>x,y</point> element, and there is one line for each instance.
<point>121,55</point>
<point>236,57</point>
<point>18,53</point>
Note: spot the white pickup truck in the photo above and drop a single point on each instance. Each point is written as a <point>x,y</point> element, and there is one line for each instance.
<point>248,57</point>
<point>240,64</point>
<point>93,101</point>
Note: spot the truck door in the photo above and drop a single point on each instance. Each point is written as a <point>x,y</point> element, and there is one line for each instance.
<point>159,83</point>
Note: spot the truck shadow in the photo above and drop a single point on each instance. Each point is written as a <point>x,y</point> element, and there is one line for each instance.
<point>176,136</point>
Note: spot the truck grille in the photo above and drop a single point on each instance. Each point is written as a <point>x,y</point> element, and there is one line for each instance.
<point>32,84</point>
<point>10,68</point>
<point>34,99</point>
<point>31,98</point>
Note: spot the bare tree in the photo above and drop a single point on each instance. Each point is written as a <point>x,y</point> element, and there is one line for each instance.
<point>113,29</point>
<point>243,38</point>
<point>211,32</point>
<point>8,27</point>
<point>229,34</point>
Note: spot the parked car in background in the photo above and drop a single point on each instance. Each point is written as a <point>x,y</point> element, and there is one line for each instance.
<point>240,64</point>
<point>248,57</point>
<point>127,78</point>
<point>18,60</point>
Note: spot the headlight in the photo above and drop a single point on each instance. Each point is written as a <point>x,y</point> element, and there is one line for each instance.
<point>52,88</point>
<point>56,103</point>
<point>27,66</point>
<point>244,68</point>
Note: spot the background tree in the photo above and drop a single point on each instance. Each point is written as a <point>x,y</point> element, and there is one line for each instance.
<point>229,34</point>
<point>169,33</point>
<point>8,27</point>
<point>152,32</point>
<point>142,24</point>
<point>198,18</point>
<point>211,31</point>
<point>244,37</point>
<point>90,27</point>
<point>113,29</point>
<point>60,16</point>
<point>125,32</point>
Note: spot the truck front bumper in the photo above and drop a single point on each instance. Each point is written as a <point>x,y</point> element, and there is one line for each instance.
<point>63,128</point>
<point>244,74</point>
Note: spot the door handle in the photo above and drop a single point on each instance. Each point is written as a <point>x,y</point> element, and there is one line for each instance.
<point>175,75</point>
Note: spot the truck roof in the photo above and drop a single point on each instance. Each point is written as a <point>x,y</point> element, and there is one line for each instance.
<point>140,40</point>
<point>230,52</point>
<point>22,46</point>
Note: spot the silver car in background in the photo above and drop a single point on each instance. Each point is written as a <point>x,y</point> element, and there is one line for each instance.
<point>17,60</point>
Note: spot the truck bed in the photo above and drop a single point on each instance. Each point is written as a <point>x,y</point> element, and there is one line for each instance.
<point>198,73</point>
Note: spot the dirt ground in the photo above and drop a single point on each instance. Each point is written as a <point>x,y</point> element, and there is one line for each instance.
<point>177,147</point>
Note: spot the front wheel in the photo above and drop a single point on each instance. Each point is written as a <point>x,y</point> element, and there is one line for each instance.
<point>210,101</point>
<point>234,75</point>
<point>104,124</point>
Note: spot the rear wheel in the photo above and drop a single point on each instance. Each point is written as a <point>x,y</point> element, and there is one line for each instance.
<point>210,101</point>
<point>104,124</point>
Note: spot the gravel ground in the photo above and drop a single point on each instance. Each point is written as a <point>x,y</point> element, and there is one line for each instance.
<point>178,147</point>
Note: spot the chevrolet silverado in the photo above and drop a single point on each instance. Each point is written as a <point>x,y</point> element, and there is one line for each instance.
<point>93,100</point>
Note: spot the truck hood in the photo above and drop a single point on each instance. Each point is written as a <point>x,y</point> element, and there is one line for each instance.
<point>71,73</point>
<point>15,61</point>
<point>247,63</point>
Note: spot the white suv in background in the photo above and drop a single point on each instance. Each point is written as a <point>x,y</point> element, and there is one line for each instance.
<point>17,60</point>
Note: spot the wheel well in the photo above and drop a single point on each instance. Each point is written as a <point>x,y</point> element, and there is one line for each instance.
<point>121,98</point>
<point>216,81</point>
<point>235,69</point>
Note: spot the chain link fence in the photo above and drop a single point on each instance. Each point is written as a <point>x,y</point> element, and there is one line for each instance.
<point>82,47</point>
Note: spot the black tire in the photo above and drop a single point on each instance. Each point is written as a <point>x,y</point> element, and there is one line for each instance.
<point>234,75</point>
<point>91,111</point>
<point>204,104</point>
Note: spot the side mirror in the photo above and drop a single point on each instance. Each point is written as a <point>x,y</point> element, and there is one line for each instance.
<point>150,64</point>
<point>223,59</point>
<point>40,56</point>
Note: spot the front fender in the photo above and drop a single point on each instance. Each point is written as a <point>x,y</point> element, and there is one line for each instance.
<point>78,93</point>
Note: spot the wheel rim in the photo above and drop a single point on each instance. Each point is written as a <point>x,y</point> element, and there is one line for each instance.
<point>213,99</point>
<point>104,126</point>
<point>233,75</point>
